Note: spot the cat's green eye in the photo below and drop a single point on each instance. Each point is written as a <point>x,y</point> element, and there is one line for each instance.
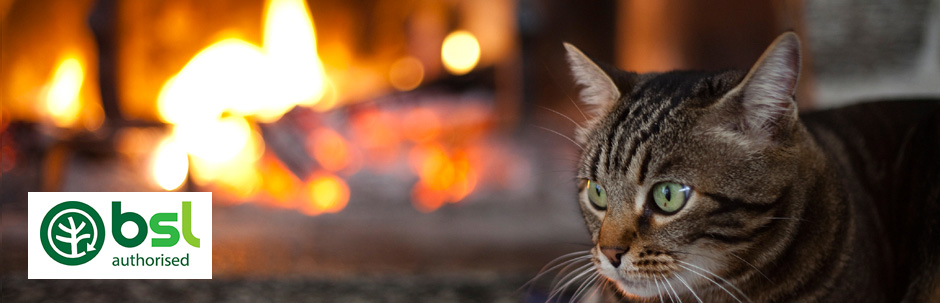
<point>596,195</point>
<point>669,197</point>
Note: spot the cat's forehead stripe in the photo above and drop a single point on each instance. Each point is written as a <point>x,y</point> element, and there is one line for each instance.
<point>619,131</point>
<point>595,157</point>
<point>641,117</point>
<point>614,133</point>
<point>636,125</point>
<point>640,132</point>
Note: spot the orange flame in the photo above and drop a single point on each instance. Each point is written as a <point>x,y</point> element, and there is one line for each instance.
<point>63,101</point>
<point>170,165</point>
<point>290,43</point>
<point>209,100</point>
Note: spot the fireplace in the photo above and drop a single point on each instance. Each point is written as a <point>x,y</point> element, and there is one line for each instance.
<point>356,150</point>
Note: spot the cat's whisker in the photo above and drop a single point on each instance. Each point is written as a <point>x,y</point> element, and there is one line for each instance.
<point>581,287</point>
<point>598,284</point>
<point>580,272</point>
<point>551,265</point>
<point>559,280</point>
<point>717,276</point>
<point>564,265</point>
<point>752,266</point>
<point>552,74</point>
<point>665,290</point>
<point>688,287</point>
<point>736,256</point>
<point>558,292</point>
<point>563,136</point>
<point>556,264</point>
<point>659,292</point>
<point>598,287</point>
<point>563,115</point>
<point>713,282</point>
<point>670,287</point>
<point>584,285</point>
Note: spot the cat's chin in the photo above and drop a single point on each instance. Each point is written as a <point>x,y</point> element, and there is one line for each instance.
<point>641,289</point>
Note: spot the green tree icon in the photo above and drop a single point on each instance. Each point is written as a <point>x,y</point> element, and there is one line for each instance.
<point>68,243</point>
<point>74,237</point>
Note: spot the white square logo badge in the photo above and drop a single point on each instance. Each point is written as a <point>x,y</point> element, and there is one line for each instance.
<point>120,235</point>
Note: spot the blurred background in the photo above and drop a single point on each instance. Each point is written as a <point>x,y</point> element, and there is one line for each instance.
<point>375,150</point>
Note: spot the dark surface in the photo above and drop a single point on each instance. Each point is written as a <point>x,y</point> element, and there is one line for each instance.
<point>491,288</point>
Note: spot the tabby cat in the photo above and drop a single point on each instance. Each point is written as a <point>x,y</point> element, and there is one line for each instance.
<point>708,187</point>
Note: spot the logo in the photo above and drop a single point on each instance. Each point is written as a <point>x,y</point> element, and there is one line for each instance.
<point>71,233</point>
<point>120,235</point>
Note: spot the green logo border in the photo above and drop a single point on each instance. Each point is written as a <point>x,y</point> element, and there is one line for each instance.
<point>47,245</point>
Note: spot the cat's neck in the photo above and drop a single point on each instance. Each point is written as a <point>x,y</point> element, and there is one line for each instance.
<point>885,155</point>
<point>822,229</point>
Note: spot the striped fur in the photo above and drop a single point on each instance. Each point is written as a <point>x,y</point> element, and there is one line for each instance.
<point>786,209</point>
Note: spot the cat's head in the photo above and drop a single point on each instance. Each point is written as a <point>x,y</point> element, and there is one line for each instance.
<point>684,173</point>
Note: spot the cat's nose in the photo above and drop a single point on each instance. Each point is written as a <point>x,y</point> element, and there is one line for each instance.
<point>613,254</point>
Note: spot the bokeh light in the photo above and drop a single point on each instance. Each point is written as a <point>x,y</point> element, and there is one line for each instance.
<point>460,52</point>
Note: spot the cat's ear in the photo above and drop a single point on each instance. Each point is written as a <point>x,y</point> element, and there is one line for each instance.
<point>766,94</point>
<point>599,90</point>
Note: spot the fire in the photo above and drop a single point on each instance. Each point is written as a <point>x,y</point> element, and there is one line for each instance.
<point>216,140</point>
<point>238,77</point>
<point>170,165</point>
<point>215,102</point>
<point>227,155</point>
<point>228,76</point>
<point>460,52</point>
<point>290,43</point>
<point>215,98</point>
<point>62,99</point>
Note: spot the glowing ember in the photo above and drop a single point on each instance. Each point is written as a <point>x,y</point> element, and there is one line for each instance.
<point>426,200</point>
<point>444,177</point>
<point>330,149</point>
<point>279,183</point>
<point>62,97</point>
<point>170,165</point>
<point>460,52</point>
<point>328,194</point>
<point>421,124</point>
<point>377,132</point>
<point>406,73</point>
